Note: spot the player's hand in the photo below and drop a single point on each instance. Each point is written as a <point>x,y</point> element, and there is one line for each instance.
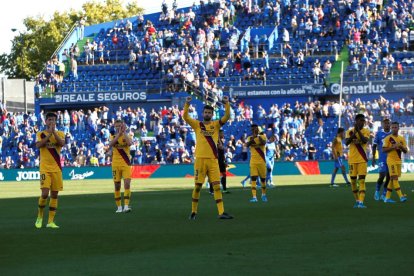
<point>356,127</point>
<point>188,99</point>
<point>225,99</point>
<point>123,128</point>
<point>50,129</point>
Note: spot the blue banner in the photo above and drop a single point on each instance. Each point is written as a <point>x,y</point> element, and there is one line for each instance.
<point>277,90</point>
<point>101,97</point>
<point>372,87</point>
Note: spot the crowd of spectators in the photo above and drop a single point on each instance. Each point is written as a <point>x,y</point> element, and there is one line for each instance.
<point>206,41</point>
<point>374,33</point>
<point>193,48</point>
<point>162,137</point>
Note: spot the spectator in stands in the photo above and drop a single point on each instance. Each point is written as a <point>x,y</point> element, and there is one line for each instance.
<point>286,39</point>
<point>327,152</point>
<point>101,50</point>
<point>311,152</point>
<point>327,68</point>
<point>132,59</point>
<point>74,68</point>
<point>81,28</point>
<point>290,157</point>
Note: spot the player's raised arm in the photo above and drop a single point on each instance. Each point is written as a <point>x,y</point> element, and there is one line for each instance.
<point>226,116</point>
<point>192,122</point>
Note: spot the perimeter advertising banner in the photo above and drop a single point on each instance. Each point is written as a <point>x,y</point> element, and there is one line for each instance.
<point>184,171</point>
<point>277,90</point>
<point>101,97</point>
<point>372,87</point>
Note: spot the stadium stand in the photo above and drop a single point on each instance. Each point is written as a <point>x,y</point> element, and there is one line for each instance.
<point>207,49</point>
<point>170,140</point>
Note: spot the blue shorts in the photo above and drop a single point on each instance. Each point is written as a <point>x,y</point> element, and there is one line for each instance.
<point>270,163</point>
<point>382,167</point>
<point>339,162</point>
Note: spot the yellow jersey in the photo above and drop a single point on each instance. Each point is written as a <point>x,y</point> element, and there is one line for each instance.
<point>394,156</point>
<point>357,150</point>
<point>206,134</point>
<point>50,153</point>
<point>257,151</point>
<point>120,152</point>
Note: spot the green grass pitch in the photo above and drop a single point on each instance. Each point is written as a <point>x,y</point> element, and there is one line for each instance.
<point>303,230</point>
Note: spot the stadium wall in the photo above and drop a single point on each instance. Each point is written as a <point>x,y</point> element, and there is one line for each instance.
<point>183,171</point>
<point>17,94</point>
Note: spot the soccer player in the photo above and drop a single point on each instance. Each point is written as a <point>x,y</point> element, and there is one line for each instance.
<point>206,154</point>
<point>338,152</point>
<point>357,140</point>
<point>382,159</point>
<point>121,164</point>
<point>257,144</point>
<point>270,160</point>
<point>222,163</point>
<point>394,145</point>
<point>49,142</point>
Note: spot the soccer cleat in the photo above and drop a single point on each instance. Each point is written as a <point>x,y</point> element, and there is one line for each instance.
<point>403,199</point>
<point>52,225</point>
<point>264,198</point>
<point>361,205</point>
<point>389,200</point>
<point>334,186</point>
<point>356,204</point>
<point>127,209</point>
<point>382,197</point>
<point>270,186</point>
<point>226,192</point>
<point>377,195</point>
<point>254,199</point>
<point>225,216</point>
<point>192,216</point>
<point>243,183</point>
<point>119,210</point>
<point>38,223</point>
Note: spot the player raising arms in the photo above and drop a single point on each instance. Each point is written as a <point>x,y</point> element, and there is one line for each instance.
<point>206,154</point>
<point>49,142</point>
<point>121,164</point>
<point>357,140</point>
<point>382,159</point>
<point>257,144</point>
<point>394,145</point>
<point>338,155</point>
